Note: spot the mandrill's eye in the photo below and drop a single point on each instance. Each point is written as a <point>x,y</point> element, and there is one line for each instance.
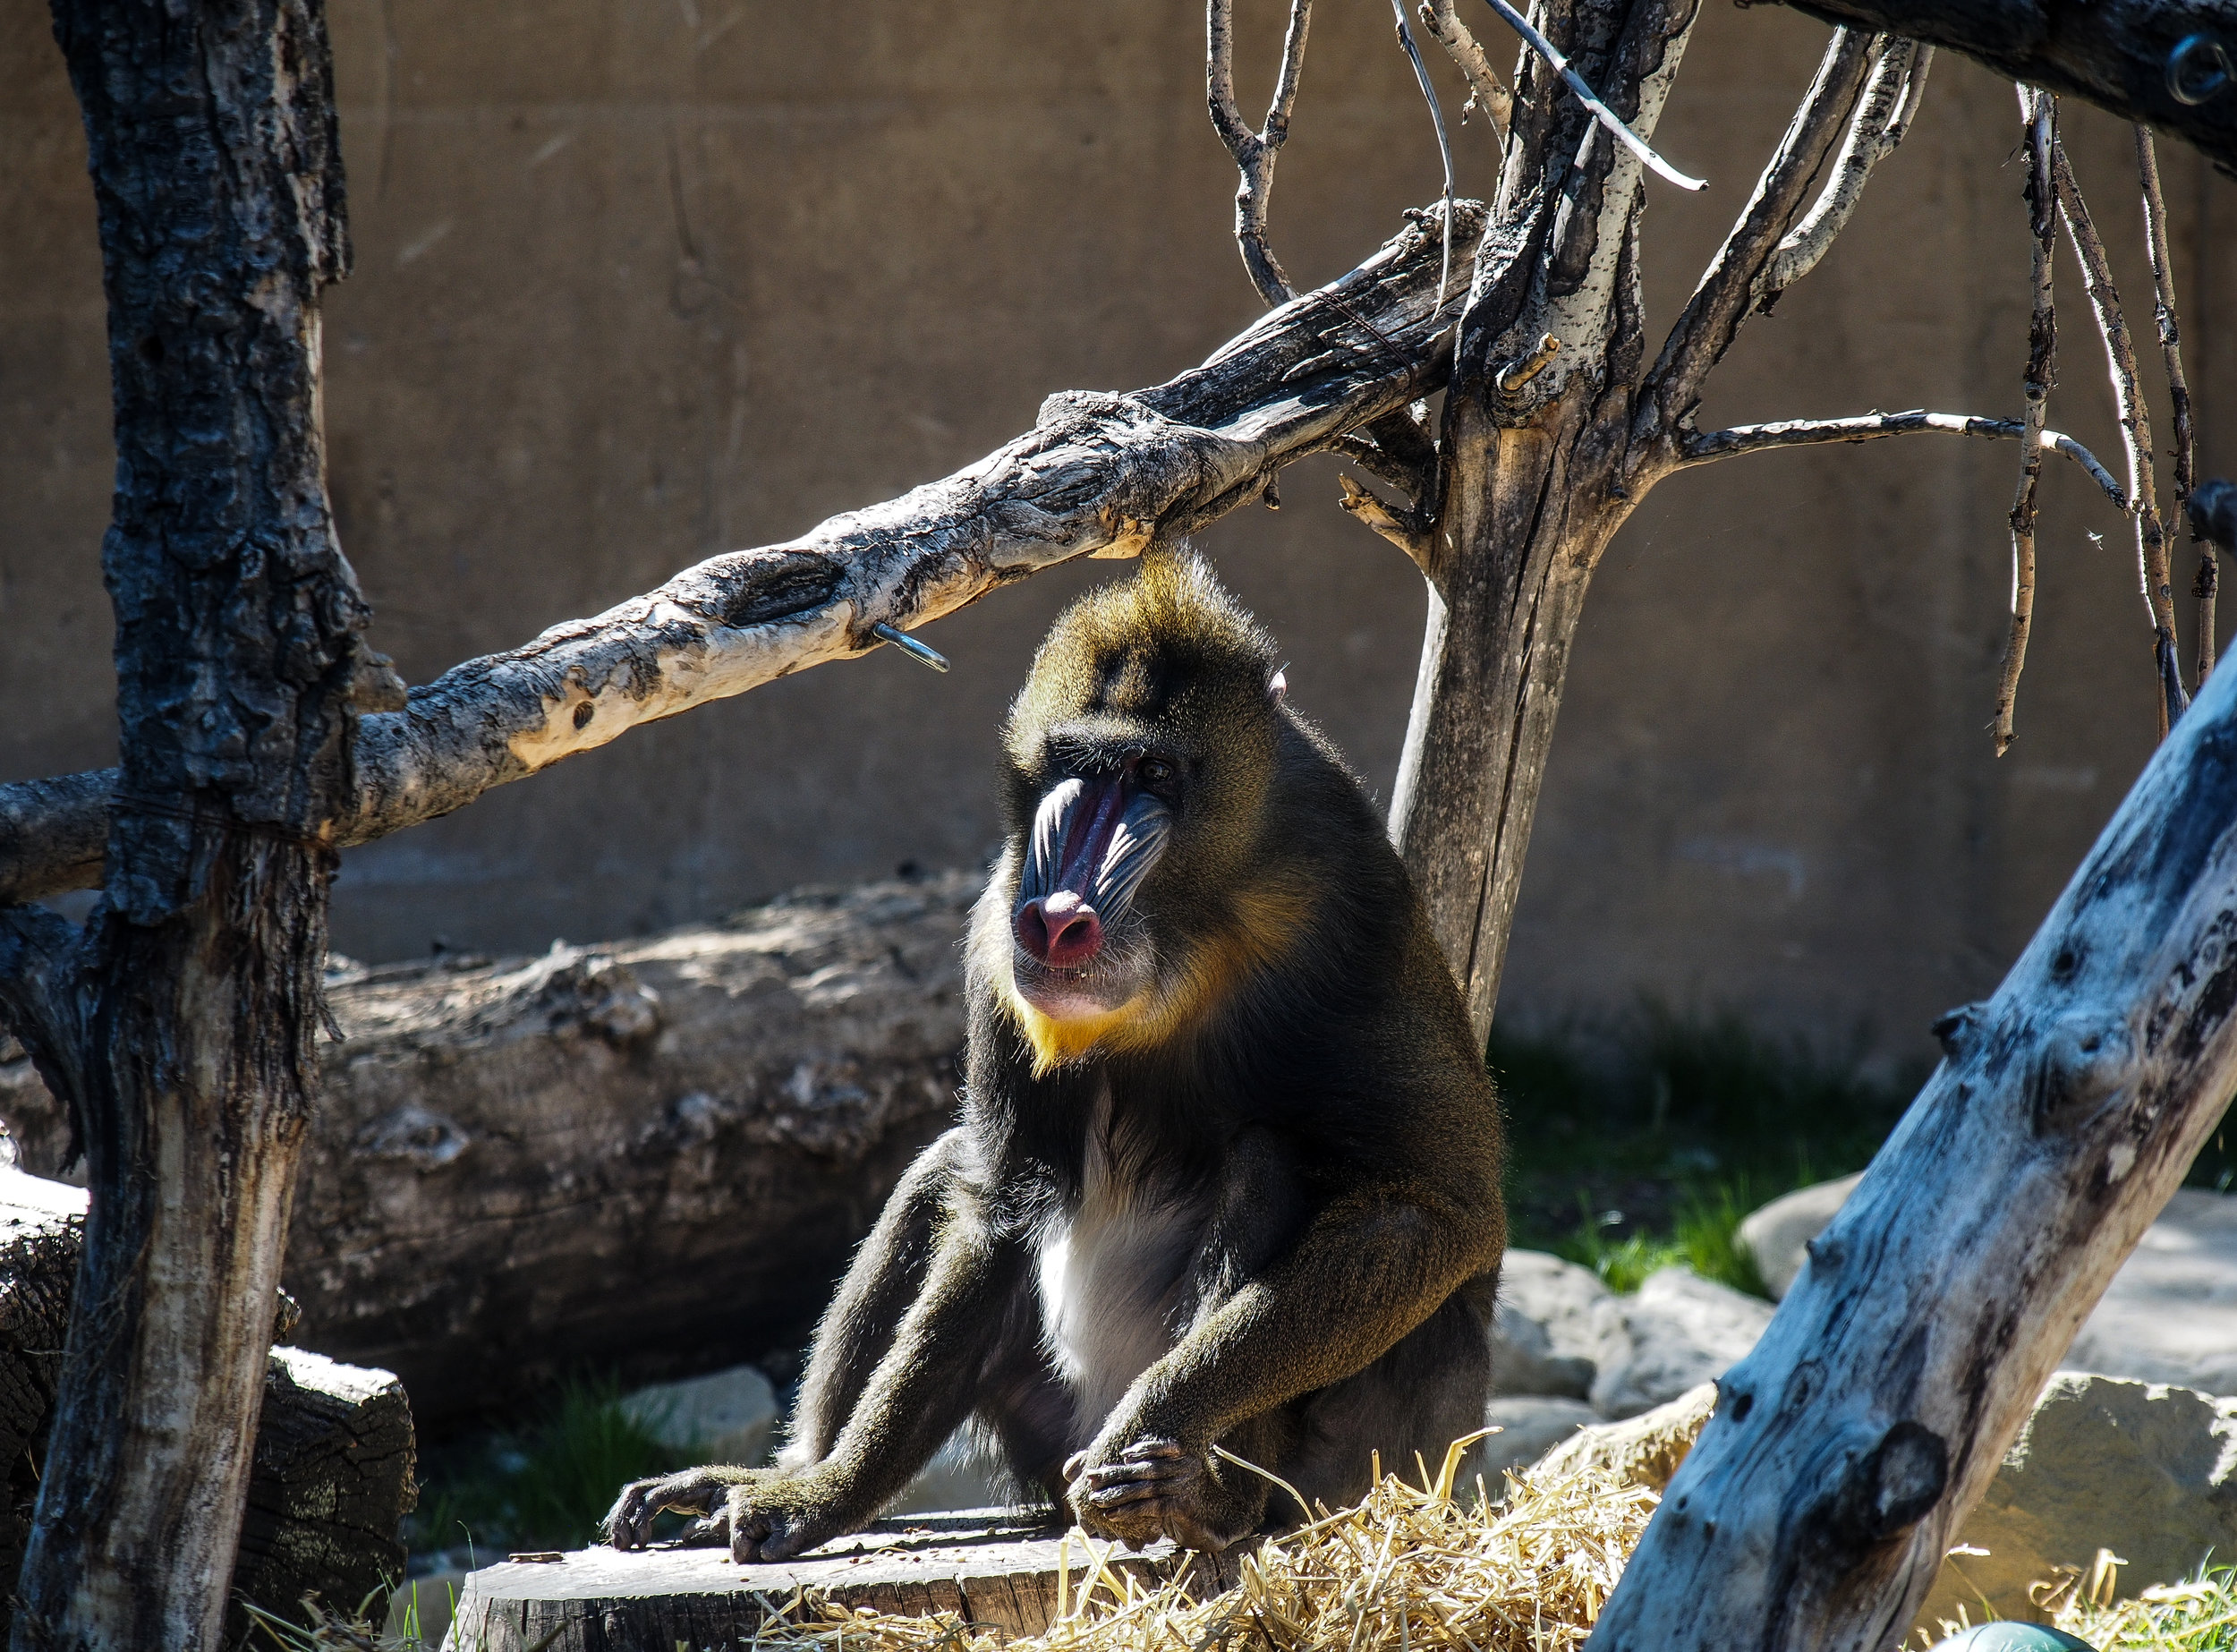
<point>1156,774</point>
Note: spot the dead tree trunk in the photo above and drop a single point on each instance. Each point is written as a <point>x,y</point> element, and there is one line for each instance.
<point>1553,433</point>
<point>1822,1496</point>
<point>181,1028</point>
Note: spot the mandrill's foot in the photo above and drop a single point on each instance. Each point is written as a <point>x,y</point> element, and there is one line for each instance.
<point>1157,1489</point>
<point>761,1514</point>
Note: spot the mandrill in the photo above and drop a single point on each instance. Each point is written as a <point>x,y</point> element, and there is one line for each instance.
<point>1228,1170</point>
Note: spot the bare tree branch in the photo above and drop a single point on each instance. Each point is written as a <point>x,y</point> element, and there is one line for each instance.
<point>1405,528</point>
<point>2135,413</point>
<point>1255,152</point>
<point>1882,121</point>
<point>38,997</point>
<point>1703,447</point>
<point>2040,111</point>
<point>1711,318</point>
<point>1100,476</point>
<point>1486,90</point>
<point>2157,60</point>
<point>2178,387</point>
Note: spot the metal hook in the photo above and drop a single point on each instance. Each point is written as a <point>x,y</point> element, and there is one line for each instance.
<point>910,647</point>
<point>2183,90</point>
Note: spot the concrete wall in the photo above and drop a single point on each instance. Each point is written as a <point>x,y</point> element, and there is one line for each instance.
<point>636,284</point>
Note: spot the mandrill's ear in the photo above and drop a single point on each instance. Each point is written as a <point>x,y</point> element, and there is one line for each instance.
<point>1278,685</point>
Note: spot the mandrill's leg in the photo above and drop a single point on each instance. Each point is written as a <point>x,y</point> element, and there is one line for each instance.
<point>914,1395</point>
<point>1363,1272</point>
<point>885,1276</point>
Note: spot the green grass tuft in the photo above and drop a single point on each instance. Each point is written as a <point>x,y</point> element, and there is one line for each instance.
<point>547,1485</point>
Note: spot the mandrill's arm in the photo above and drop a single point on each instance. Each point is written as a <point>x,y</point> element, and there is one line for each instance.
<point>915,1397</point>
<point>1370,1267</point>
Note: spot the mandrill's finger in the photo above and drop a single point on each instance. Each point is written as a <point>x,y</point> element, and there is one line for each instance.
<point>1123,1473</point>
<point>1155,1447</point>
<point>1073,1464</point>
<point>1119,1496</point>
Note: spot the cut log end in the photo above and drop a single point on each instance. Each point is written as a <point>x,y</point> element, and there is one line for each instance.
<point>996,1570</point>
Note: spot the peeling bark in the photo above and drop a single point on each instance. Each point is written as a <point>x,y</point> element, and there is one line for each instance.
<point>1816,1507</point>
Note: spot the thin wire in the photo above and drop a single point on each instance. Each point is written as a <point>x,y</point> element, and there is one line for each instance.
<point>1444,143</point>
<point>1606,116</point>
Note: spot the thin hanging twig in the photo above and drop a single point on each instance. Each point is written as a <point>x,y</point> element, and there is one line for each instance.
<point>2178,389</point>
<point>1436,119</point>
<point>1255,152</point>
<point>1882,121</point>
<point>1486,90</point>
<point>2136,431</point>
<point>1601,112</point>
<point>2040,110</point>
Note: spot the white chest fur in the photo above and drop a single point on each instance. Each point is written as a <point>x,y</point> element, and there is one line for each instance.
<point>1112,1272</point>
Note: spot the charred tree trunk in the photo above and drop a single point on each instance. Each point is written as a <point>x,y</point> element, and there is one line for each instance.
<point>181,1028</point>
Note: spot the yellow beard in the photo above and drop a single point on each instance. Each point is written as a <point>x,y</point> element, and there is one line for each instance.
<point>1266,920</point>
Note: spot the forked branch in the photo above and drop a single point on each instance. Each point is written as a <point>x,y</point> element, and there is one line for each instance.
<point>2038,110</point>
<point>1405,528</point>
<point>1703,447</point>
<point>1882,121</point>
<point>1255,152</point>
<point>1727,288</point>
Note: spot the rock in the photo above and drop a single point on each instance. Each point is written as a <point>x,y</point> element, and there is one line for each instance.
<point>1530,1425</point>
<point>1678,1332</point>
<point>1543,1338</point>
<point>1646,1448</point>
<point>419,1609</point>
<point>729,1416</point>
<point>2144,1469</point>
<point>2170,1315</point>
<point>2013,1637</point>
<point>1775,1234</point>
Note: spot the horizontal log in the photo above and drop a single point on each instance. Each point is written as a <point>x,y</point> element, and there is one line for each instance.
<point>2120,54</point>
<point>1099,475</point>
<point>996,1570</point>
<point>333,1469</point>
<point>653,1157</point>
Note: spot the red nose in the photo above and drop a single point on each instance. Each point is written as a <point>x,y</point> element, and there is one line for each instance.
<point>1061,930</point>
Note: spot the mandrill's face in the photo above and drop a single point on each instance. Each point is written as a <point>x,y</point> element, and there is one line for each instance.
<point>1081,950</point>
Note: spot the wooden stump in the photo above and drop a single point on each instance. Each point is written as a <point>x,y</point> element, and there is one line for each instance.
<point>333,1473</point>
<point>996,1568</point>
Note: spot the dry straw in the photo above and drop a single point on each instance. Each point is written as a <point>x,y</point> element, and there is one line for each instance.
<point>1411,1569</point>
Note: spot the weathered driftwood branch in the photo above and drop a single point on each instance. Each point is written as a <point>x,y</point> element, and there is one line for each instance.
<point>1403,526</point>
<point>1877,130</point>
<point>1817,1505</point>
<point>1255,152</point>
<point>1701,446</point>
<point>1099,475</point>
<point>2165,62</point>
<point>2038,115</point>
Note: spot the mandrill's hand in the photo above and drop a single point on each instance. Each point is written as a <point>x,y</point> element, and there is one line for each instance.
<point>762,1514</point>
<point>1153,1488</point>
